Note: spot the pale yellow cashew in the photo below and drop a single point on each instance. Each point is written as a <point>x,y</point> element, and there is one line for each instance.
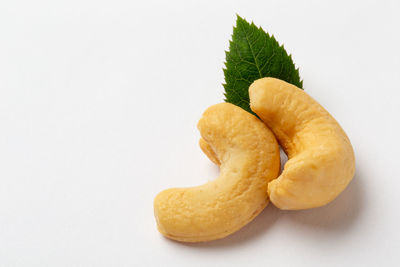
<point>248,154</point>
<point>207,149</point>
<point>320,156</point>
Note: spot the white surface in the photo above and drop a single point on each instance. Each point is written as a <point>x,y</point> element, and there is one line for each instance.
<point>99,102</point>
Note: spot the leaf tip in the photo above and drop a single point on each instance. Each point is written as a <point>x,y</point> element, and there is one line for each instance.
<point>238,17</point>
<point>241,21</point>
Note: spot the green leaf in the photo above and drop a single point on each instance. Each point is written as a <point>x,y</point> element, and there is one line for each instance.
<point>254,54</point>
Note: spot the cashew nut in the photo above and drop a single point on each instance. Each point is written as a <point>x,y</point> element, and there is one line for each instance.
<point>321,159</point>
<point>207,149</point>
<point>248,154</point>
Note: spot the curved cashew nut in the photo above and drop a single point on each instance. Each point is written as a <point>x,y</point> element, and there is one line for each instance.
<point>321,159</point>
<point>248,154</point>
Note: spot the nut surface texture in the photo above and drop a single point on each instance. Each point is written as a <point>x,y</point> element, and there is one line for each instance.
<point>248,154</point>
<point>321,160</point>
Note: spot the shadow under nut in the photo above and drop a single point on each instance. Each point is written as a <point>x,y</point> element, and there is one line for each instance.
<point>248,154</point>
<point>321,160</point>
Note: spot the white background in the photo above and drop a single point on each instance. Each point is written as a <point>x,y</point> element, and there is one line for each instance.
<point>99,102</point>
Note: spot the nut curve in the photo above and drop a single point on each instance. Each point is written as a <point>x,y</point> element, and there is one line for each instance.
<point>321,159</point>
<point>248,154</point>
<point>207,149</point>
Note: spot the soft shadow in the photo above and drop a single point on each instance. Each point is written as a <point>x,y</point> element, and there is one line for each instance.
<point>252,231</point>
<point>339,215</point>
